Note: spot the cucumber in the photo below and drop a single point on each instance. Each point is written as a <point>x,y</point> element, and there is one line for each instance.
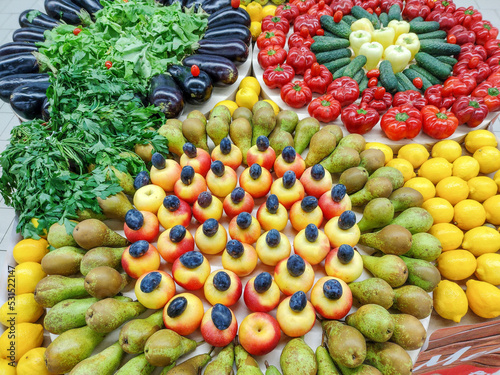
<point>447,60</point>
<point>432,79</point>
<point>417,19</point>
<point>355,66</point>
<point>412,74</point>
<point>328,56</point>
<point>333,66</point>
<point>384,19</point>
<point>433,65</point>
<point>359,76</point>
<point>387,77</point>
<point>324,44</point>
<point>438,34</point>
<point>405,82</point>
<point>438,48</point>
<point>424,27</point>
<point>400,87</point>
<point>330,35</point>
<point>349,19</point>
<point>339,73</point>
<point>359,13</point>
<point>341,29</point>
<point>394,13</point>
<point>363,84</point>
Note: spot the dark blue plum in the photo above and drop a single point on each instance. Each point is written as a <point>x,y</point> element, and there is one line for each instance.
<point>222,281</point>
<point>187,174</point>
<point>150,282</point>
<point>158,160</point>
<point>347,219</point>
<point>177,307</point>
<point>191,259</point>
<point>244,220</point>
<point>217,168</point>
<point>205,199</point>
<point>190,150</point>
<point>332,289</point>
<point>235,248</point>
<point>142,179</point>
<point>237,195</point>
<point>338,192</point>
<point>134,219</point>
<point>298,301</point>
<point>262,143</point>
<point>138,249</point>
<point>171,203</point>
<point>317,172</point>
<point>272,204</point>
<point>289,154</point>
<point>345,253</point>
<point>221,316</point>
<point>273,238</point>
<point>295,265</point>
<point>309,203</point>
<point>255,171</point>
<point>225,146</point>
<point>210,227</point>
<point>289,179</point>
<point>311,232</point>
<point>177,233</point>
<point>263,282</point>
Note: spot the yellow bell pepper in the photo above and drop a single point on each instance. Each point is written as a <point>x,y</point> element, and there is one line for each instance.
<point>358,38</point>
<point>384,36</point>
<point>410,41</point>
<point>400,27</point>
<point>373,52</point>
<point>399,57</point>
<point>362,24</point>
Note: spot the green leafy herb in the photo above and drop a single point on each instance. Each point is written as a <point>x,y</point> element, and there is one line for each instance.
<point>32,14</point>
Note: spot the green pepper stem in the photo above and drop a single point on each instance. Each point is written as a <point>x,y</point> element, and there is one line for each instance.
<point>474,104</point>
<point>441,116</point>
<point>361,111</point>
<point>402,117</point>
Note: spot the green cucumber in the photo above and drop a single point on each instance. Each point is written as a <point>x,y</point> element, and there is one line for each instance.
<point>405,82</point>
<point>349,19</point>
<point>394,13</point>
<point>324,44</point>
<point>424,27</point>
<point>432,79</point>
<point>363,84</point>
<point>358,77</point>
<point>438,48</point>
<point>339,72</point>
<point>387,77</point>
<point>384,19</point>
<point>341,29</point>
<point>333,66</point>
<point>331,35</point>
<point>417,19</point>
<point>412,74</point>
<point>328,56</point>
<point>355,66</point>
<point>438,34</point>
<point>400,87</point>
<point>447,60</point>
<point>434,66</point>
<point>359,13</point>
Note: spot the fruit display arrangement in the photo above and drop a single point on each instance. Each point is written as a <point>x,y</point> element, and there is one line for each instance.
<point>422,66</point>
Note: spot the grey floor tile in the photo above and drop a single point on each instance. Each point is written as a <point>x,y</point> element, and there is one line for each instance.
<point>5,132</point>
<point>466,3</point>
<point>6,219</point>
<point>491,15</point>
<point>12,22</point>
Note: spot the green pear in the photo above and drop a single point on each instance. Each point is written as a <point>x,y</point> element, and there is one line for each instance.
<point>406,197</point>
<point>360,370</point>
<point>304,131</point>
<point>175,138</point>
<point>195,132</point>
<point>221,111</point>
<point>298,358</point>
<point>392,239</point>
<point>354,179</point>
<point>377,214</point>
<point>372,159</point>
<point>165,346</point>
<point>393,174</point>
<point>422,273</point>
<point>124,179</point>
<point>103,363</point>
<point>412,300</point>
<point>134,334</point>
<point>409,332</point>
<point>424,246</point>
<point>192,366</point>
<point>115,206</point>
<point>380,187</point>
<point>321,145</point>
<point>103,282</point>
<point>260,104</point>
<point>240,131</point>
<point>245,364</point>
<point>101,256</point>
<point>243,112</point>
<point>415,219</point>
<point>340,159</point>
<point>217,129</point>
<point>271,370</point>
<point>373,290</point>
<point>264,122</point>
<point>325,362</point>
<point>223,364</point>
<point>89,214</point>
<point>346,344</point>
<point>108,314</point>
<point>373,321</point>
<point>136,366</point>
<point>54,289</point>
<point>336,131</point>
<point>390,268</point>
<point>197,114</point>
<point>287,120</point>
<point>94,233</point>
<point>388,358</point>
<point>58,236</point>
<point>64,261</point>
<point>355,141</point>
<point>279,139</point>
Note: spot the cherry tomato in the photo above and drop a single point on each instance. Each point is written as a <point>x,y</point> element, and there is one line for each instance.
<point>452,39</point>
<point>337,17</point>
<point>430,3</point>
<point>373,82</point>
<point>473,62</point>
<point>417,82</point>
<point>379,92</point>
<point>195,70</point>
<point>108,64</point>
<point>378,10</point>
<point>235,3</point>
<point>370,10</point>
<point>373,73</point>
<point>77,30</point>
<point>320,32</point>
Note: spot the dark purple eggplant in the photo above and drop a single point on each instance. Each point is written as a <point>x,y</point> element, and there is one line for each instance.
<point>222,71</point>
<point>27,100</point>
<point>63,10</point>
<point>45,109</point>
<point>91,6</point>
<point>17,64</point>
<point>10,83</point>
<point>29,34</point>
<point>196,89</point>
<point>33,17</point>
<point>232,30</point>
<point>13,48</point>
<point>212,6</point>
<point>230,48</point>
<point>229,15</point>
<point>165,94</point>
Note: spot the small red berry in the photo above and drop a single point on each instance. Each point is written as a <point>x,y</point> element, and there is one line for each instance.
<point>108,64</point>
<point>77,30</point>
<point>195,70</point>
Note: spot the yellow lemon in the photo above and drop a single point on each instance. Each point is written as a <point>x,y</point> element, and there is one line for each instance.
<point>448,234</point>
<point>492,207</point>
<point>488,268</point>
<point>450,301</point>
<point>30,250</point>
<point>481,188</point>
<point>456,264</point>
<point>27,275</point>
<point>423,186</point>
<point>25,308</point>
<point>435,169</point>
<point>469,214</point>
<point>388,153</point>
<point>35,223</point>
<point>484,298</point>
<point>268,10</point>
<point>476,139</point>
<point>33,362</point>
<point>255,30</point>
<point>274,105</point>
<point>246,97</point>
<point>465,167</point>
<point>440,209</point>
<point>5,368</point>
<point>255,11</point>
<point>23,337</point>
<point>404,166</point>
<point>252,83</point>
<point>232,106</point>
<point>481,240</point>
<point>243,6</point>
<point>488,158</point>
<point>448,149</point>
<point>453,189</point>
<point>416,154</point>
<point>496,178</point>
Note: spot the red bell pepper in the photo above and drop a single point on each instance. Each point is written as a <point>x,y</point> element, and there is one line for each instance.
<point>303,5</point>
<point>456,86</point>
<point>320,9</point>
<point>410,97</point>
<point>446,20</point>
<point>300,39</point>
<point>401,122</point>
<point>385,5</point>
<point>494,62</point>
<point>494,78</point>
<point>345,90</point>
<point>377,98</point>
<point>301,59</point>
<point>271,38</point>
<point>467,16</point>
<point>445,6</point>
<point>436,97</point>
<point>344,6</point>
<point>477,69</point>
<point>278,76</point>
<point>490,92</point>
<point>359,119</point>
<point>470,110</point>
<point>318,78</point>
<point>311,22</point>
<point>416,8</point>
<point>492,46</point>
<point>438,124</point>
<point>484,31</point>
<point>288,11</point>
<point>324,109</point>
<point>462,34</point>
<point>470,49</point>
<point>275,23</point>
<point>366,4</point>
<point>296,94</point>
<point>271,55</point>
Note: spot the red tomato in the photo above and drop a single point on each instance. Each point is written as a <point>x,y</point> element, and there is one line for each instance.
<point>452,39</point>
<point>235,3</point>
<point>373,73</point>
<point>77,31</point>
<point>108,64</point>
<point>417,82</point>
<point>195,70</point>
<point>373,82</point>
<point>337,17</point>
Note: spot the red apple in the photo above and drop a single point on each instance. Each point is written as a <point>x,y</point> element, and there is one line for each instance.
<point>140,258</point>
<point>180,215</point>
<point>174,242</point>
<point>149,230</point>
<point>149,198</point>
<point>191,311</point>
<point>314,187</point>
<point>213,335</point>
<point>331,208</point>
<point>259,333</point>
<point>331,308</point>
<point>152,294</point>
<point>201,162</point>
<point>224,287</point>
<point>166,177</point>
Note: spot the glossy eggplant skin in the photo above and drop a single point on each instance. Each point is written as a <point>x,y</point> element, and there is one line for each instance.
<point>17,64</point>
<point>212,6</point>
<point>27,100</point>
<point>231,48</point>
<point>233,30</point>
<point>63,10</point>
<point>165,94</point>
<point>229,15</point>
<point>91,6</point>
<point>222,71</point>
<point>197,89</point>
<point>32,34</point>
<point>13,48</point>
<point>9,83</point>
<point>41,20</point>
<point>45,109</point>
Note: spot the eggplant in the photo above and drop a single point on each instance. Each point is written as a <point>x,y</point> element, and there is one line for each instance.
<point>32,34</point>
<point>17,64</point>
<point>33,17</point>
<point>13,48</point>
<point>229,15</point>
<point>197,89</point>
<point>9,83</point>
<point>222,71</point>
<point>233,30</point>
<point>63,10</point>
<point>230,48</point>
<point>45,109</point>
<point>91,6</point>
<point>165,94</point>
<point>27,100</point>
<point>212,6</point>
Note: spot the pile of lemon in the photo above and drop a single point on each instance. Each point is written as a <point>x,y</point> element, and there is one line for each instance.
<point>461,188</point>
<point>257,12</point>
<point>20,313</point>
